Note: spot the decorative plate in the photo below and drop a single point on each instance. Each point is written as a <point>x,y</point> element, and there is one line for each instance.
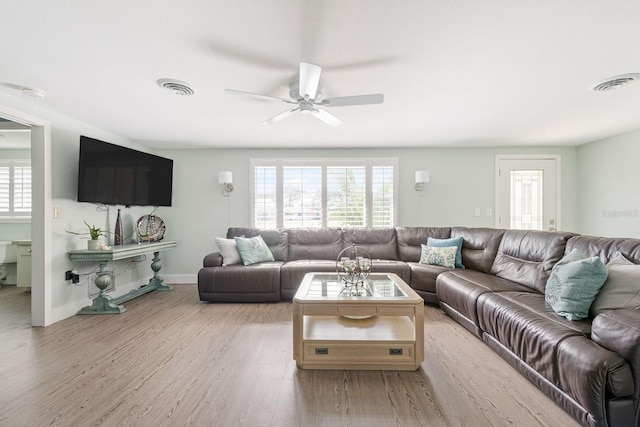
<point>150,228</point>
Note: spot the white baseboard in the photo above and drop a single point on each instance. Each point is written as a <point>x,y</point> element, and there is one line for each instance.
<point>180,278</point>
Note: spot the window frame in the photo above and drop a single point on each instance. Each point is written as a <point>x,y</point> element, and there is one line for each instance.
<point>12,215</point>
<point>324,163</point>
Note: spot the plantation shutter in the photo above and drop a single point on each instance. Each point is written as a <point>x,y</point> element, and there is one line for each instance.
<point>382,210</point>
<point>302,196</point>
<point>265,197</point>
<point>15,188</point>
<point>22,189</point>
<point>5,189</point>
<point>346,201</point>
<point>324,192</point>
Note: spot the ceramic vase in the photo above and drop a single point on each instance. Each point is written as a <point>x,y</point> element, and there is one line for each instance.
<point>118,235</point>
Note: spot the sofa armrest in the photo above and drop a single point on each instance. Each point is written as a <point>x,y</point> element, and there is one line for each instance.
<point>619,331</point>
<point>212,260</point>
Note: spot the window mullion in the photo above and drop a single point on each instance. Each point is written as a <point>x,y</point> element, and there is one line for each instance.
<point>324,195</point>
<point>368,196</point>
<point>279,196</point>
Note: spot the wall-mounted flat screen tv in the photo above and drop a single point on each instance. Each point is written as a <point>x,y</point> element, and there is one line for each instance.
<point>114,175</point>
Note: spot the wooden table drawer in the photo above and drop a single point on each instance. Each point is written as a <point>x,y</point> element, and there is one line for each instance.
<point>350,352</point>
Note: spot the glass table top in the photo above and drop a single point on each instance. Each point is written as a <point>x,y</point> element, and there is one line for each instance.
<point>377,285</point>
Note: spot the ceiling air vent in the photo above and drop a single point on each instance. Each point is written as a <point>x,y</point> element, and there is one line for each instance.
<point>616,82</point>
<point>176,86</point>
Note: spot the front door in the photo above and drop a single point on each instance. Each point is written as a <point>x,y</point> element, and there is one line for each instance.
<point>527,190</point>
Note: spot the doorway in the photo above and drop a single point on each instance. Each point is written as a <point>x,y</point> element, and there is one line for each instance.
<point>41,226</point>
<point>528,192</point>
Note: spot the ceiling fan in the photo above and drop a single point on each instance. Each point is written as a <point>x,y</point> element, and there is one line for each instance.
<point>306,94</point>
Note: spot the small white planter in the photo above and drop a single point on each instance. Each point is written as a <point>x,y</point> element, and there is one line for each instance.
<point>92,245</point>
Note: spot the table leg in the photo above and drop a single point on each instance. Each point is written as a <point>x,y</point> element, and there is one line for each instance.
<point>297,333</point>
<point>103,303</point>
<point>156,281</point>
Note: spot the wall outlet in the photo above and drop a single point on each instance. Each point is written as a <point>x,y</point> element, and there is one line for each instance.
<point>476,212</point>
<point>71,275</point>
<point>489,212</point>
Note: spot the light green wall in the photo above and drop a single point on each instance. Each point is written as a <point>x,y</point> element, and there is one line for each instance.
<point>461,180</point>
<point>608,176</point>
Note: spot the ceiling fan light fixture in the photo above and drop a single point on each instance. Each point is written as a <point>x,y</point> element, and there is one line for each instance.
<point>613,83</point>
<point>177,87</point>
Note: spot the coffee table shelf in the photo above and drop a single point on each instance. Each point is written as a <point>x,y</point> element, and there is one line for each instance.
<point>391,339</point>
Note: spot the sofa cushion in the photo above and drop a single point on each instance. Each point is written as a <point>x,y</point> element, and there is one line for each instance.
<point>293,272</point>
<point>276,240</point>
<point>379,243</point>
<point>621,289</point>
<point>460,290</point>
<point>444,256</point>
<point>605,247</point>
<point>258,282</point>
<point>479,246</point>
<point>314,243</point>
<point>527,256</point>
<point>535,302</point>
<point>423,276</point>
<point>410,240</point>
<point>253,250</point>
<point>389,266</point>
<point>533,337</point>
<point>229,251</point>
<point>454,241</point>
<point>574,283</point>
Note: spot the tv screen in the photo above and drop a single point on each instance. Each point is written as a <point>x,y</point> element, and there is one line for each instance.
<point>116,175</point>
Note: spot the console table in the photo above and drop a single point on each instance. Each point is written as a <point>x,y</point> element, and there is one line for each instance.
<point>104,303</point>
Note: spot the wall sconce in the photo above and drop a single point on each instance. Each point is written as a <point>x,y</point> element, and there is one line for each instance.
<point>422,177</point>
<point>226,179</point>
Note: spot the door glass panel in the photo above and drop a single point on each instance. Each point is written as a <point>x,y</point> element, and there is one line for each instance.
<point>527,190</point>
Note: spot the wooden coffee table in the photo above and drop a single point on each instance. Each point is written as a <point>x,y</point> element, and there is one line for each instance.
<point>381,331</point>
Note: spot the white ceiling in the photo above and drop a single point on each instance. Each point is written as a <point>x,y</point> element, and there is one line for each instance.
<point>454,73</point>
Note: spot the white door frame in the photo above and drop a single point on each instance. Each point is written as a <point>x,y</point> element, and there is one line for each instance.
<point>41,226</point>
<point>555,157</point>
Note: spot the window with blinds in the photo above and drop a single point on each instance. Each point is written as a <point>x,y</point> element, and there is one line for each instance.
<point>15,188</point>
<point>323,192</point>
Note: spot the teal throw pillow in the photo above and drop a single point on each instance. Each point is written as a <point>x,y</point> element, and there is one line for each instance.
<point>574,283</point>
<point>253,250</point>
<point>443,256</point>
<point>441,243</point>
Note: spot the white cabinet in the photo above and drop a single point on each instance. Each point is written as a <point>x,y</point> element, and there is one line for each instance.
<point>24,263</point>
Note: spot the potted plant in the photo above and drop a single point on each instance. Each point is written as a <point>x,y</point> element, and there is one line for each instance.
<point>94,234</point>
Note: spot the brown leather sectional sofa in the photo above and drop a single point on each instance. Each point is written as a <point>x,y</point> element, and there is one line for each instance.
<point>590,367</point>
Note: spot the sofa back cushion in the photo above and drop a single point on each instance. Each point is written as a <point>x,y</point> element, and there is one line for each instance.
<point>410,240</point>
<point>527,257</point>
<point>380,243</point>
<point>314,243</point>
<point>276,240</point>
<point>605,247</point>
<point>479,246</point>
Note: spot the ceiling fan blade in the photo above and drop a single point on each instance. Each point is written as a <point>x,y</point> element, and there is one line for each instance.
<point>343,101</point>
<point>255,95</point>
<point>328,118</point>
<point>283,115</point>
<point>309,79</point>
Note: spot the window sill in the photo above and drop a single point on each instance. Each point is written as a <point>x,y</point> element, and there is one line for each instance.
<point>15,220</point>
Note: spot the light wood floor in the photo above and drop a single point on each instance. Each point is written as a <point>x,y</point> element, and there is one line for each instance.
<point>173,361</point>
